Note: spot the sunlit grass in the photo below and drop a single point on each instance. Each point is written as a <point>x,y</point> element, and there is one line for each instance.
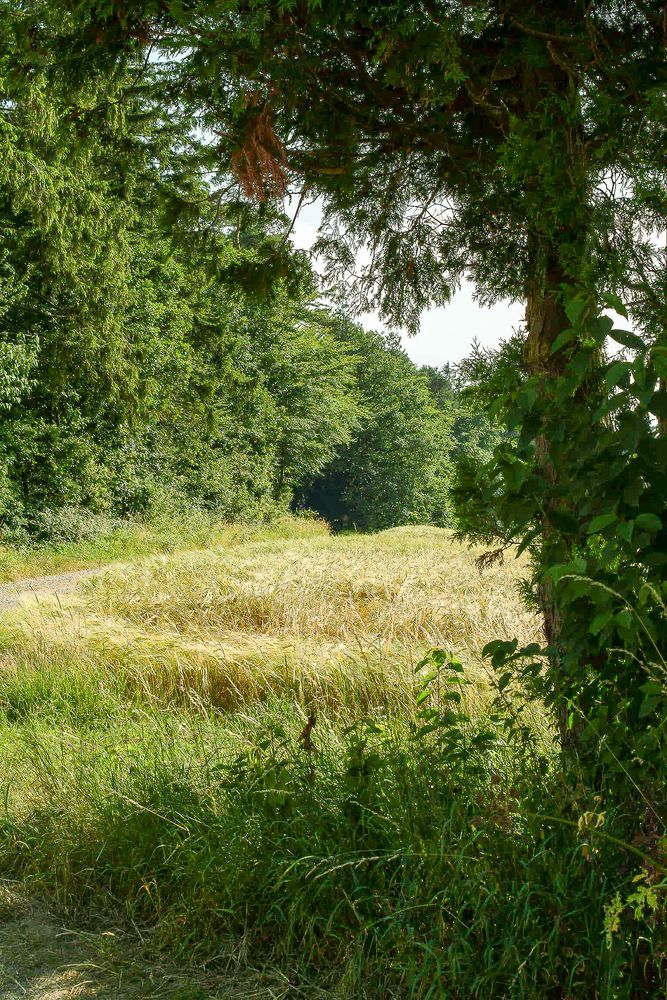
<point>225,749</point>
<point>326,621</point>
<point>137,539</point>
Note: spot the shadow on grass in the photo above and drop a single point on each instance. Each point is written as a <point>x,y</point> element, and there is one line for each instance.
<point>43,959</point>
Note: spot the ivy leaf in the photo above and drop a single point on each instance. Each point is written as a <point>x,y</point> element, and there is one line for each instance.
<point>627,338</point>
<point>648,522</point>
<point>600,522</point>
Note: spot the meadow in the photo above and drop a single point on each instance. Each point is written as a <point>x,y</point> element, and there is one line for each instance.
<point>280,766</point>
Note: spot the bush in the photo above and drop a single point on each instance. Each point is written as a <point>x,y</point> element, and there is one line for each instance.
<point>72,524</point>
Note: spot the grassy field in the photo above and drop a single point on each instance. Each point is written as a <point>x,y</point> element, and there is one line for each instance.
<point>235,758</point>
<point>112,541</point>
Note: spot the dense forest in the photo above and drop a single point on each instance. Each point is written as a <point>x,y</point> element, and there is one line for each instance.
<point>164,348</point>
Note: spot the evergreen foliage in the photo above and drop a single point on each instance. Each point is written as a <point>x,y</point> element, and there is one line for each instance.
<point>161,344</point>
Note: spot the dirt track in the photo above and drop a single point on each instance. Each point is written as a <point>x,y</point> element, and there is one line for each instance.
<point>32,588</point>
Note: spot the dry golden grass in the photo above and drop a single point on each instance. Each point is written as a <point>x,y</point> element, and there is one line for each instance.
<point>339,621</point>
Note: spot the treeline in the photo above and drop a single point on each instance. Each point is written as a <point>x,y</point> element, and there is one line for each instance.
<point>162,348</point>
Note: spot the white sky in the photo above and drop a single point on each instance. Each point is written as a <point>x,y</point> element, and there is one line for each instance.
<point>445,334</point>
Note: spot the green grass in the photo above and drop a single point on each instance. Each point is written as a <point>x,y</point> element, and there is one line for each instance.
<point>136,539</point>
<point>369,859</point>
<point>373,865</point>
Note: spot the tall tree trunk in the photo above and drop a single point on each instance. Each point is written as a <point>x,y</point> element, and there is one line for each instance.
<point>557,226</point>
<point>545,320</point>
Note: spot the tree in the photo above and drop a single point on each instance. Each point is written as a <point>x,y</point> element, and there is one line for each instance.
<point>470,430</point>
<point>394,469</point>
<point>157,341</point>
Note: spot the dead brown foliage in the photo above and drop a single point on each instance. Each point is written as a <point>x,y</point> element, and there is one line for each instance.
<point>260,163</point>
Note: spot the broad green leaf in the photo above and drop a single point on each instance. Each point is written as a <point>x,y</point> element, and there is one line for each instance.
<point>616,371</point>
<point>648,705</point>
<point>658,404</point>
<point>625,530</point>
<point>648,522</point>
<point>562,339</point>
<point>575,308</point>
<point>600,522</point>
<point>625,618</point>
<point>599,622</point>
<point>627,338</point>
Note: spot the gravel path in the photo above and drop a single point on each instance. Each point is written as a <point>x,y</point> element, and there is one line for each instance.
<point>35,587</point>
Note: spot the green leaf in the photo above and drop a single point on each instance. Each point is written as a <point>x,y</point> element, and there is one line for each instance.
<point>625,530</point>
<point>625,618</point>
<point>580,363</point>
<point>614,402</point>
<point>527,397</point>
<point>648,522</point>
<point>575,308</point>
<point>658,404</point>
<point>659,359</point>
<point>599,622</point>
<point>616,371</point>
<point>564,520</point>
<point>627,338</point>
<point>600,328</point>
<point>600,522</point>
<point>651,688</point>
<point>527,539</point>
<point>615,302</point>
<point>562,339</point>
<point>648,705</point>
<point>500,647</point>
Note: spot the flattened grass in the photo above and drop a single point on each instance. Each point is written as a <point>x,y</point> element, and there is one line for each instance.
<point>329,622</point>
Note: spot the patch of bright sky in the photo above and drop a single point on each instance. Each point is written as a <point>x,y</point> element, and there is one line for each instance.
<point>445,335</point>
